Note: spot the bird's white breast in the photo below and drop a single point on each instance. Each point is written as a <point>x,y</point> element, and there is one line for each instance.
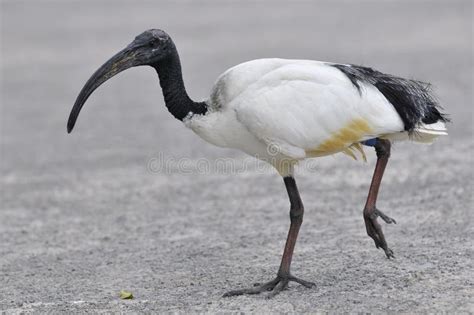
<point>222,129</point>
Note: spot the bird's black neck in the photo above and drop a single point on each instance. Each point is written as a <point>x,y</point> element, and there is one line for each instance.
<point>177,101</point>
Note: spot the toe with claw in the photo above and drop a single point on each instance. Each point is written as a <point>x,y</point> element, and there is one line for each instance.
<point>374,230</point>
<point>273,287</point>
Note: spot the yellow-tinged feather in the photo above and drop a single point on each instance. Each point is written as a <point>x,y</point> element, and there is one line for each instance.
<point>344,140</point>
<point>360,148</point>
<point>349,152</point>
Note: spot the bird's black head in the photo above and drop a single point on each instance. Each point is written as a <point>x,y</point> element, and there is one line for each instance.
<point>148,48</point>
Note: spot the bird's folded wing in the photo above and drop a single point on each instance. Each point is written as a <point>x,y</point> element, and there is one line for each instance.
<point>313,108</point>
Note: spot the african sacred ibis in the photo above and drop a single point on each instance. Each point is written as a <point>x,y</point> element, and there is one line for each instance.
<point>302,108</point>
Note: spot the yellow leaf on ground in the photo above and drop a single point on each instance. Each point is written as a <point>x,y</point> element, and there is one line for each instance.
<point>125,295</point>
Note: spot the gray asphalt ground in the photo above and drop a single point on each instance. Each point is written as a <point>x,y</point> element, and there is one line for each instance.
<point>86,215</point>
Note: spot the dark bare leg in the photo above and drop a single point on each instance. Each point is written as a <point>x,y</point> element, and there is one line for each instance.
<point>374,230</point>
<point>283,276</point>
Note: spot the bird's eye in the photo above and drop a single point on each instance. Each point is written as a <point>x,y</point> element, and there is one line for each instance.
<point>154,43</point>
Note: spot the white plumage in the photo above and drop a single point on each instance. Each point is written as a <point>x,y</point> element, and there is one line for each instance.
<point>302,108</point>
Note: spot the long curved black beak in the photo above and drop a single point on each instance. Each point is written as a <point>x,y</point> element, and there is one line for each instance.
<point>119,62</point>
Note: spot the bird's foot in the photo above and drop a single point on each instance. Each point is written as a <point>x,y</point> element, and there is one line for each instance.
<point>273,287</point>
<point>374,230</point>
